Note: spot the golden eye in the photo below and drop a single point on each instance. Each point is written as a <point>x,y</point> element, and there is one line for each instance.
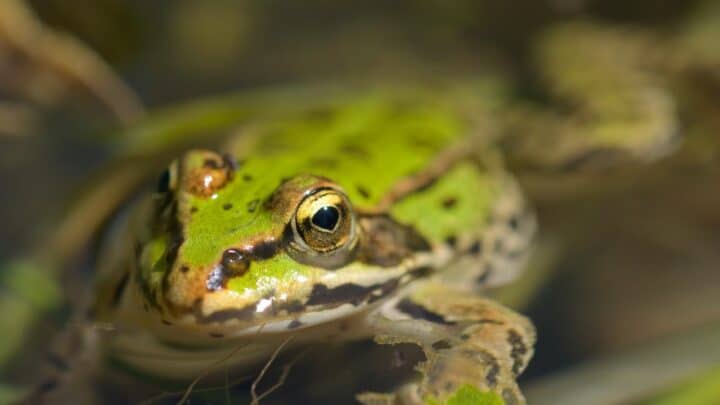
<point>324,221</point>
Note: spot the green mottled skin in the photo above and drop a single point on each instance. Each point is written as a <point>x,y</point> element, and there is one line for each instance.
<point>396,141</point>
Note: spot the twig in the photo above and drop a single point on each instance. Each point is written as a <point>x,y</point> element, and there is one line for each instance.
<point>283,376</point>
<point>207,371</point>
<point>170,394</point>
<point>253,388</point>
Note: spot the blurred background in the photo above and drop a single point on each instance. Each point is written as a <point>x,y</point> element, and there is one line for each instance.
<point>625,285</point>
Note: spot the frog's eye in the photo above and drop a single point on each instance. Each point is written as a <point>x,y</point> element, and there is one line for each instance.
<point>324,221</point>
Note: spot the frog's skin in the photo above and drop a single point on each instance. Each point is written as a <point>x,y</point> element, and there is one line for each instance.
<point>374,218</point>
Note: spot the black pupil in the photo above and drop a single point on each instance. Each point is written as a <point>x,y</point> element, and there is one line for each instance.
<point>326,217</point>
<point>163,185</point>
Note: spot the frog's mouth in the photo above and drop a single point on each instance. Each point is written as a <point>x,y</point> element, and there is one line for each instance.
<point>388,256</point>
<point>323,303</point>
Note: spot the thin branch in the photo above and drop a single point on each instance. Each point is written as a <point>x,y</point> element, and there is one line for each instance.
<point>253,388</point>
<point>207,371</point>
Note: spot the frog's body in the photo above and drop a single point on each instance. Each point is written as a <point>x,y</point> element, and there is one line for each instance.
<point>379,218</point>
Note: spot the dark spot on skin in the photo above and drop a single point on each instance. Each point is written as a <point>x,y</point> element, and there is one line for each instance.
<point>517,352</point>
<point>184,269</point>
<point>247,177</point>
<point>264,249</point>
<point>441,345</point>
<point>354,150</point>
<point>294,324</point>
<point>417,311</point>
<point>193,210</point>
<point>253,205</point>
<point>515,254</point>
<point>476,248</point>
<point>324,162</point>
<point>513,223</point>
<point>449,203</point>
<point>120,288</point>
<point>58,362</point>
<point>487,271</point>
<point>47,386</point>
<point>449,386</point>
<point>165,322</point>
<point>451,241</point>
<point>464,336</point>
<point>227,206</point>
<point>422,142</point>
<point>293,307</point>
<point>386,242</point>
<point>487,359</point>
<point>363,192</point>
<point>216,335</point>
<point>421,271</point>
<point>347,293</point>
<point>384,290</point>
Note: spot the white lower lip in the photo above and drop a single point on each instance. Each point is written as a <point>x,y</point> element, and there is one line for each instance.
<point>307,319</point>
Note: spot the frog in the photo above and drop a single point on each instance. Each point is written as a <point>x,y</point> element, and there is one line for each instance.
<point>377,214</point>
<point>380,216</point>
<point>329,225</point>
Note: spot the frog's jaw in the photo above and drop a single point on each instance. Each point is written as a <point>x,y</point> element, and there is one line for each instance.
<point>313,297</point>
<point>277,291</point>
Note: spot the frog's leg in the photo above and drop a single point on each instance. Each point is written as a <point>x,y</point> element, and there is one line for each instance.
<point>467,339</point>
<point>608,100</point>
<point>495,252</point>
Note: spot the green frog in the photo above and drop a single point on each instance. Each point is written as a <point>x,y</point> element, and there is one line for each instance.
<point>383,215</point>
<point>374,218</point>
<point>379,214</point>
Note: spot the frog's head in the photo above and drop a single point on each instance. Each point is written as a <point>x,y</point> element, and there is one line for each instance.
<point>234,247</point>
